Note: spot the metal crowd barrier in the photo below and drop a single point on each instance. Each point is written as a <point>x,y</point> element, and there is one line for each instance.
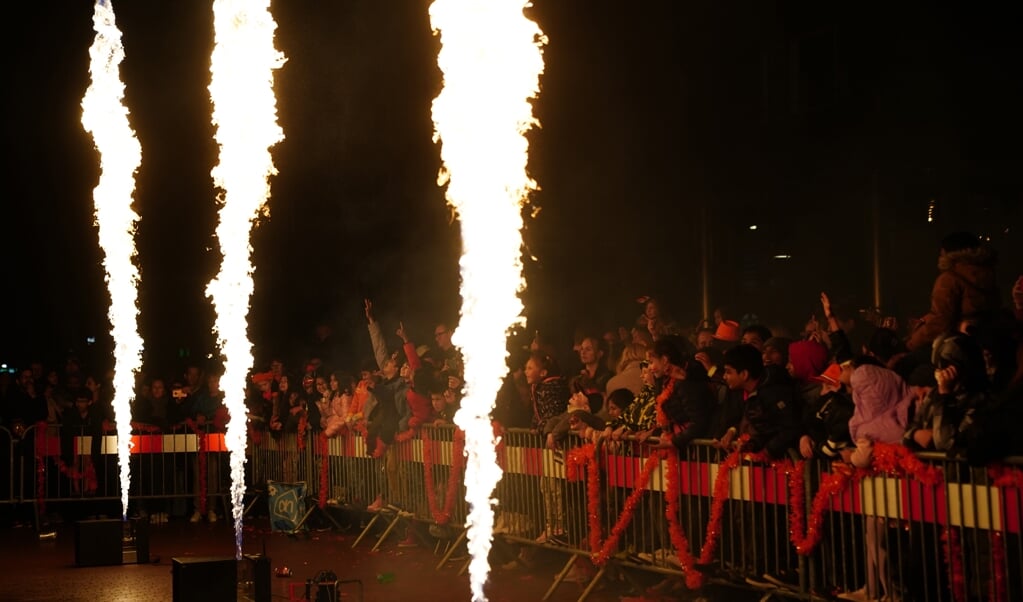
<point>957,536</point>
<point>906,539</point>
<point>9,494</point>
<point>66,464</point>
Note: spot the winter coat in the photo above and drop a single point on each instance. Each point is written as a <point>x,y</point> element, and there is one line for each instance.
<point>883,401</point>
<point>689,409</point>
<point>965,288</point>
<point>550,398</point>
<point>769,414</point>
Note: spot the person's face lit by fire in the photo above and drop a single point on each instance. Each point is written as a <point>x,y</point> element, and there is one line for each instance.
<point>589,352</point>
<point>659,365</point>
<point>735,380</point>
<point>534,372</point>
<point>753,339</point>
<point>437,401</point>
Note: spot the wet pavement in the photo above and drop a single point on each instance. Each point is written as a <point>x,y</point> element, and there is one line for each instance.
<point>45,569</point>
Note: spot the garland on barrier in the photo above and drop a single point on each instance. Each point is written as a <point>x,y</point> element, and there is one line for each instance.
<point>323,447</point>
<point>441,517</point>
<point>200,444</point>
<point>405,436</point>
<point>806,533</point>
<point>1001,477</point>
<point>996,590</point>
<point>586,455</point>
<point>662,418</point>
<point>601,551</point>
<point>888,458</point>
<point>721,486</point>
<point>87,478</point>
<point>303,428</point>
<point>953,559</point>
<point>898,460</point>
<point>694,578</point>
<point>1006,476</point>
<point>202,460</point>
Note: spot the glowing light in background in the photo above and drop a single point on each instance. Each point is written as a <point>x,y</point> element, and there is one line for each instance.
<point>491,59</point>
<point>245,115</point>
<point>106,118</point>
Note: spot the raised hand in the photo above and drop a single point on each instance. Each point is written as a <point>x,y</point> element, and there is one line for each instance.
<point>946,378</point>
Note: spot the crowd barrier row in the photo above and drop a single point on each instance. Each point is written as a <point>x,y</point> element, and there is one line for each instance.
<point>911,527</point>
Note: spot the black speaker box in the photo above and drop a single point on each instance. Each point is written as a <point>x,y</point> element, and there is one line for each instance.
<point>206,579</point>
<point>98,542</point>
<point>259,566</point>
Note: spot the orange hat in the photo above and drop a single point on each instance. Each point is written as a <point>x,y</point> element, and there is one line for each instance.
<point>728,331</point>
<point>829,376</point>
<point>262,378</point>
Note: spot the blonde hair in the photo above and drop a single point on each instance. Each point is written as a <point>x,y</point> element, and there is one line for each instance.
<point>631,353</point>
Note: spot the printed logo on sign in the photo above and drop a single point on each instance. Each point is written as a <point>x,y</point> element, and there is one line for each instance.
<point>287,505</point>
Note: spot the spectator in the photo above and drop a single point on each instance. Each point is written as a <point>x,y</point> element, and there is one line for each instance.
<point>965,289</point>
<point>762,403</point>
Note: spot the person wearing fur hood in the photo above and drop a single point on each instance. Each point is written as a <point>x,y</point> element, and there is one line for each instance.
<point>965,289</point>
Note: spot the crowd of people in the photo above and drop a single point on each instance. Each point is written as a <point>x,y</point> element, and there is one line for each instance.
<point>952,381</point>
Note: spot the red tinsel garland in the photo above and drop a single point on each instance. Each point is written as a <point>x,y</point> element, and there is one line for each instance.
<point>1005,476</point>
<point>898,460</point>
<point>954,561</point>
<point>405,436</point>
<point>601,551</point>
<point>1001,477</point>
<point>996,589</point>
<point>586,455</point>
<point>888,458</point>
<point>200,442</point>
<point>441,517</point>
<point>303,428</point>
<point>662,418</point>
<point>202,461</point>
<point>694,578</point>
<point>87,478</point>
<point>721,487</point>
<point>323,447</point>
<point>807,534</point>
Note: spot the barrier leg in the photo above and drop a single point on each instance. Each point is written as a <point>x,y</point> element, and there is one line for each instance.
<point>366,529</point>
<point>593,583</point>
<point>313,508</point>
<point>390,527</point>
<point>451,550</point>
<point>258,495</point>
<point>560,577</point>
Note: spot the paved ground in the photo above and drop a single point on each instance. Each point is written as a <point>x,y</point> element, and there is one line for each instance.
<point>45,570</point>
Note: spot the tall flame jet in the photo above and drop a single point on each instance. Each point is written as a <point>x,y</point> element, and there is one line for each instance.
<point>245,115</point>
<point>106,118</point>
<point>491,58</point>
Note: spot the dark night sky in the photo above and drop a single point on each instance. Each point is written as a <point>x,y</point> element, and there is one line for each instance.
<point>792,116</point>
